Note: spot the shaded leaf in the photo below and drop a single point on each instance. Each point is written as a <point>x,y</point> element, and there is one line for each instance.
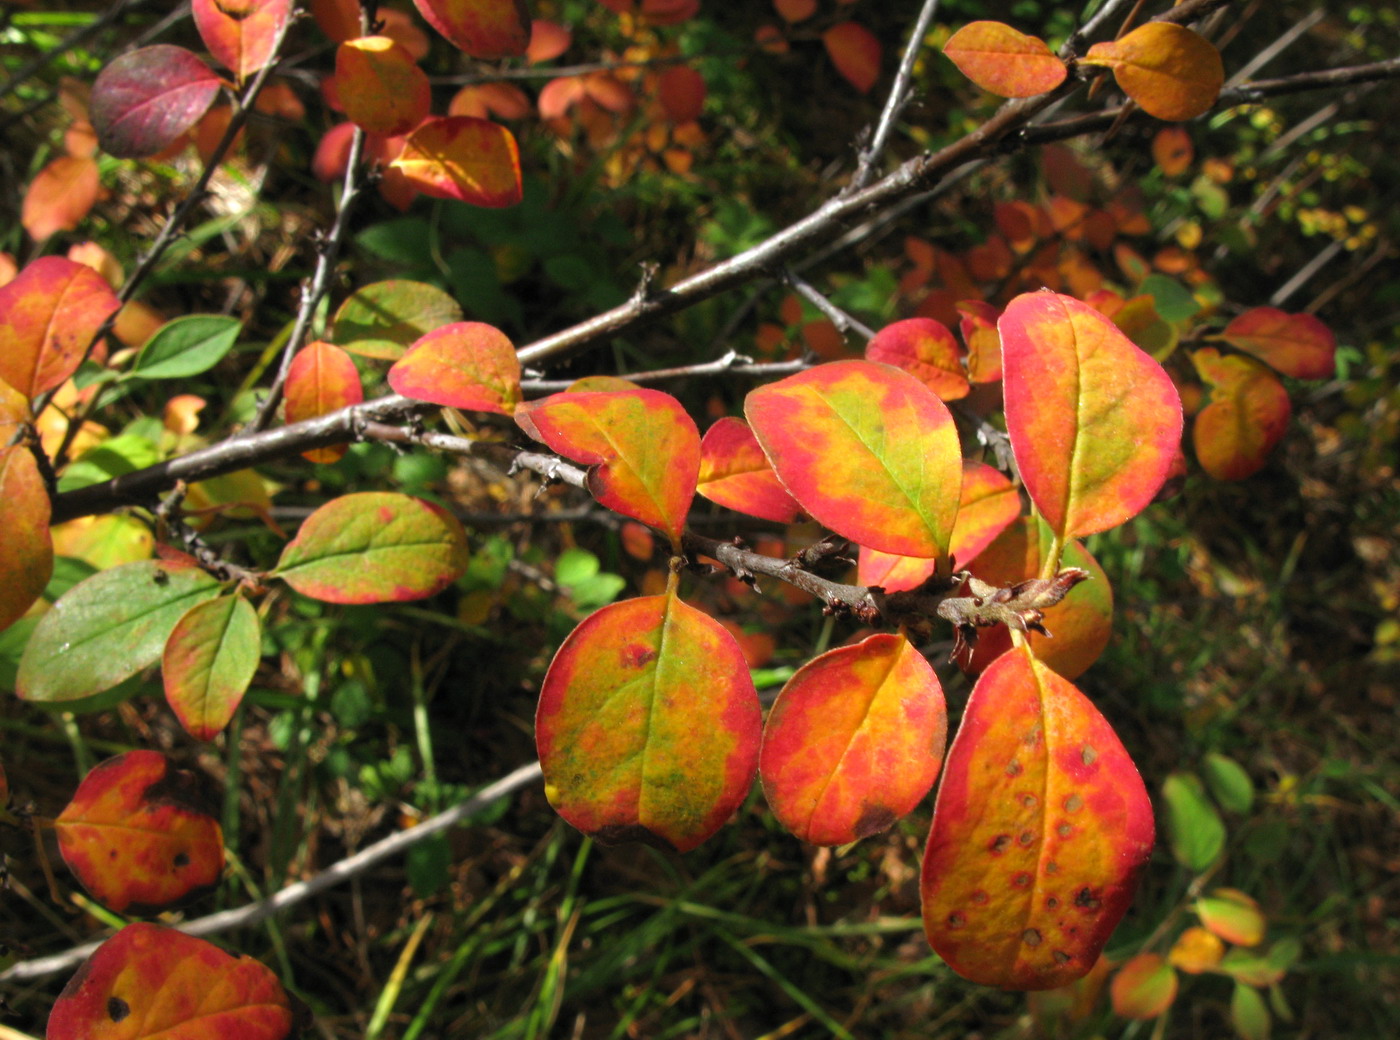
<point>150,981</point>
<point>466,364</point>
<point>1233,916</point>
<point>108,628</point>
<point>1298,345</point>
<point>1228,782</point>
<point>187,346</point>
<point>648,724</point>
<point>1144,987</point>
<point>380,320</point>
<point>380,85</point>
<point>49,315</point>
<point>459,157</point>
<point>1247,415</point>
<point>978,326</point>
<point>208,662</point>
<point>1194,829</point>
<point>1003,61</point>
<point>26,548</point>
<point>867,450</point>
<point>60,196</point>
<point>321,379</point>
<point>1172,72</point>
<point>1172,150</point>
<point>681,91</point>
<point>1196,950</point>
<point>642,448</point>
<point>926,350</point>
<point>483,28</point>
<point>854,741</point>
<point>374,547</point>
<point>735,473</point>
<point>141,835</point>
<point>1249,1014</point>
<point>144,100</point>
<point>1039,832</point>
<point>855,51</point>
<point>240,34</point>
<point>1094,422</point>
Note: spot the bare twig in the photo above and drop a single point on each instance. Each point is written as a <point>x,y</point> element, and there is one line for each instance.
<point>844,322</point>
<point>731,362</point>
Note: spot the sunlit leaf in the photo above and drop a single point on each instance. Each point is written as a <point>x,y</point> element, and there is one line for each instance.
<point>1003,61</point>
<point>1094,422</point>
<point>856,52</point>
<point>1233,916</point>
<point>141,835</point>
<point>926,350</point>
<point>108,628</point>
<point>867,450</point>
<point>458,157</point>
<point>1194,829</point>
<point>321,379</point>
<point>1247,415</point>
<point>380,320</point>
<point>1144,987</point>
<point>381,86</point>
<point>49,315</point>
<point>642,448</point>
<point>104,542</point>
<point>374,547</point>
<point>60,196</point>
<point>26,549</point>
<point>735,473</point>
<point>1298,345</point>
<point>149,981</point>
<point>854,741</point>
<point>648,724</point>
<point>1171,71</point>
<point>241,34</point>
<point>1039,832</point>
<point>466,364</point>
<point>144,100</point>
<point>483,28</point>
<point>187,346</point>
<point>208,663</point>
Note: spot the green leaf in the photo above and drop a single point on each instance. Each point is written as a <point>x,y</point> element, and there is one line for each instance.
<point>382,319</point>
<point>1174,301</point>
<point>1228,782</point>
<point>112,458</point>
<point>209,661</point>
<point>186,346</point>
<point>1249,1014</point>
<point>108,628</point>
<point>574,566</point>
<point>1194,828</point>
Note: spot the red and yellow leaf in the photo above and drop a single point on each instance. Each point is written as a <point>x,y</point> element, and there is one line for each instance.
<point>149,981</point>
<point>144,100</point>
<point>48,317</point>
<point>1247,415</point>
<point>1172,72</point>
<point>467,364</point>
<point>642,448</point>
<point>867,450</point>
<point>1298,345</point>
<point>241,34</point>
<point>1003,61</point>
<point>926,350</point>
<point>375,547</point>
<point>322,378</point>
<point>735,473</point>
<point>208,662</point>
<point>1094,422</point>
<point>141,835</point>
<point>485,29</point>
<point>1196,950</point>
<point>1144,987</point>
<point>548,40</point>
<point>648,724</point>
<point>26,548</point>
<point>380,86</point>
<point>978,326</point>
<point>1041,827</point>
<point>458,157</point>
<point>854,741</point>
<point>60,196</point>
<point>856,52</point>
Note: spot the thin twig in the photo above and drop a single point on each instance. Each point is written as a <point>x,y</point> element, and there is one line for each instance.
<point>732,362</point>
<point>843,321</point>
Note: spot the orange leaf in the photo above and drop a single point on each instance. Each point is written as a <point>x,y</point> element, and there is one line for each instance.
<point>484,100</point>
<point>682,93</point>
<point>1247,415</point>
<point>458,157</point>
<point>925,349</point>
<point>1003,61</point>
<point>1172,150</point>
<point>26,550</point>
<point>322,378</point>
<point>855,52</point>
<point>735,473</point>
<point>60,196</point>
<point>795,10</point>
<point>1297,345</point>
<point>548,40</point>
<point>1233,916</point>
<point>467,364</point>
<point>240,34</point>
<point>380,85</point>
<point>48,317</point>
<point>1196,950</point>
<point>485,29</point>
<point>1172,72</point>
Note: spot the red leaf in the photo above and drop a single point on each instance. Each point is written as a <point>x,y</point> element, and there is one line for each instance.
<point>1094,422</point>
<point>795,10</point>
<point>48,318</point>
<point>548,40</point>
<point>322,378</point>
<point>925,349</point>
<point>140,834</point>
<point>26,549</point>
<point>1247,415</point>
<point>682,93</point>
<point>144,100</point>
<point>1040,830</point>
<point>483,28</point>
<point>1003,61</point>
<point>467,364</point>
<point>380,85</point>
<point>867,450</point>
<point>1171,71</point>
<point>643,448</point>
<point>735,473</point>
<point>1297,345</point>
<point>854,741</point>
<point>855,51</point>
<point>241,34</point>
<point>160,983</point>
<point>208,662</point>
<point>458,157</point>
<point>484,100</point>
<point>648,724</point>
<point>62,194</point>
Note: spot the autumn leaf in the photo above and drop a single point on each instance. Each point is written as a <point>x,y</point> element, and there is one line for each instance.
<point>1144,987</point>
<point>735,473</point>
<point>467,364</point>
<point>856,52</point>
<point>459,157</point>
<point>1297,345</point>
<point>925,349</point>
<point>26,550</point>
<point>49,315</point>
<point>60,196</point>
<point>485,29</point>
<point>380,320</point>
<point>381,86</point>
<point>241,34</point>
<point>1172,72</point>
<point>321,379</point>
<point>208,662</point>
<point>1247,415</point>
<point>145,99</point>
<point>1003,61</point>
